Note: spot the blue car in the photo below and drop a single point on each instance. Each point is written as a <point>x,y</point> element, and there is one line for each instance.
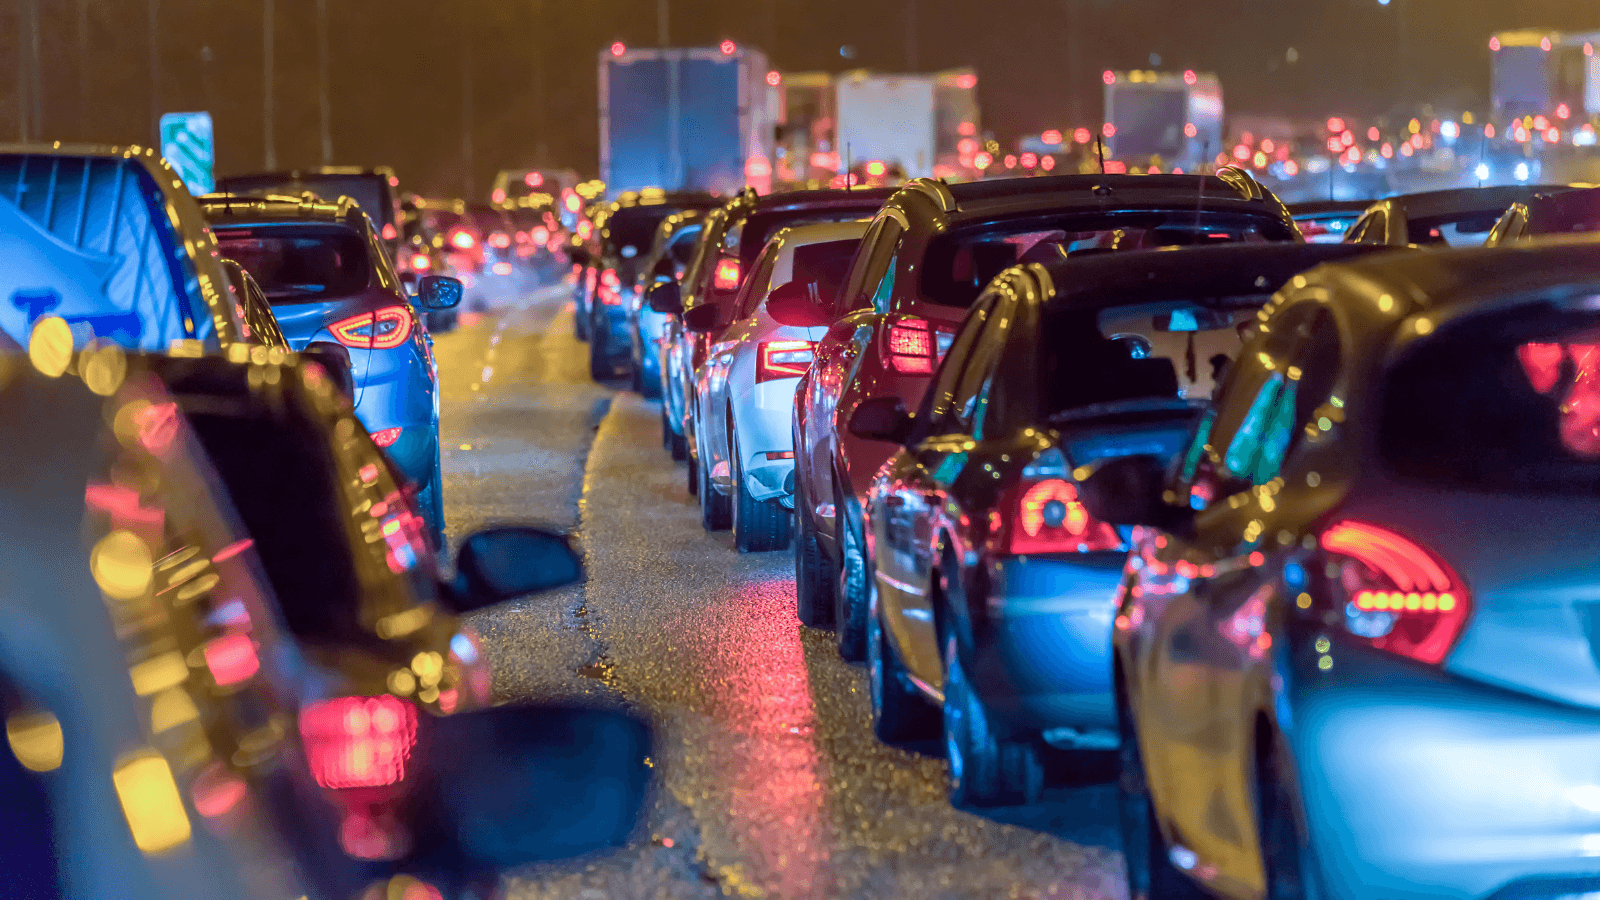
<point>1356,647</point>
<point>329,280</point>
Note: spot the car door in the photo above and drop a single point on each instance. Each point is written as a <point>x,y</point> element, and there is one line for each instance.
<point>1208,592</point>
<point>720,362</point>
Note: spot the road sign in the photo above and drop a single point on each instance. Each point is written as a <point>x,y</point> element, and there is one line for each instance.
<point>186,143</point>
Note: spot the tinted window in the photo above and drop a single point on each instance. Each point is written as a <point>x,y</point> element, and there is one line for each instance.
<point>1565,213</point>
<point>825,264</point>
<point>635,227</point>
<point>300,264</point>
<point>1459,230</point>
<point>873,264</point>
<point>682,247</point>
<point>960,264</point>
<point>1509,402</point>
<point>937,400</point>
<point>759,229</point>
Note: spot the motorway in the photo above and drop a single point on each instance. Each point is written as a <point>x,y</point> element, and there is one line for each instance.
<point>770,783</point>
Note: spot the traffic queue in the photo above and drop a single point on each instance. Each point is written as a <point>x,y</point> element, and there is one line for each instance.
<point>1121,469</point>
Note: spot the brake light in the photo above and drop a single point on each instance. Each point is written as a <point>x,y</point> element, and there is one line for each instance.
<point>541,235</point>
<point>382,329</point>
<point>1402,599</point>
<point>783,359</point>
<point>389,232</point>
<point>1048,517</point>
<point>911,347</point>
<point>726,278</point>
<point>499,240</point>
<point>462,240</point>
<point>354,742</point>
<point>386,437</point>
<point>231,658</point>
<point>420,262</point>
<point>609,278</point>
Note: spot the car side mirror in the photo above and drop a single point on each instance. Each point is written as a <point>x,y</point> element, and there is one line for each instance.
<point>665,297</point>
<point>1130,490</point>
<point>510,561</point>
<point>439,292</point>
<point>502,788</point>
<point>703,319</point>
<point>335,362</point>
<point>793,304</point>
<point>881,419</point>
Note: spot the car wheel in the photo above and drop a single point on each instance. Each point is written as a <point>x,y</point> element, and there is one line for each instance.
<point>759,526</point>
<point>693,475</point>
<point>852,584</point>
<point>813,584</point>
<point>1145,855</point>
<point>899,713</point>
<point>984,771</point>
<point>580,324</point>
<point>649,388</point>
<point>600,368</point>
<point>716,510</point>
<point>676,444</point>
<point>1292,872</point>
<point>431,501</point>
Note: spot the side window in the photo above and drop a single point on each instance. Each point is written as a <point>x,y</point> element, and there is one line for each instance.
<point>977,378</point>
<point>885,291</point>
<point>756,286</point>
<point>1377,229</point>
<point>953,396</point>
<point>872,264</point>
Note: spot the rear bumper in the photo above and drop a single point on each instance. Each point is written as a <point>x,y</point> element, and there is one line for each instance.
<point>764,421</point>
<point>1418,783</point>
<point>1045,661</point>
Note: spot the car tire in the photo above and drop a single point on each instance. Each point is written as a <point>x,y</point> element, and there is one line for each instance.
<point>716,510</point>
<point>431,501</point>
<point>813,581</point>
<point>1146,857</point>
<point>1291,872</point>
<point>600,367</point>
<point>852,587</point>
<point>759,526</point>
<point>580,324</point>
<point>675,443</point>
<point>984,771</point>
<point>899,713</point>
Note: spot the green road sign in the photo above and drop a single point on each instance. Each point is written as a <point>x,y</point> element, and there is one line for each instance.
<point>187,145</point>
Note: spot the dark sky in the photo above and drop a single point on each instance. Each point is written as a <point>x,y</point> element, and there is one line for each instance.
<point>398,64</point>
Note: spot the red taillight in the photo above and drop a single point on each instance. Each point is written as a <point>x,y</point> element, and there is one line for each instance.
<point>1401,598</point>
<point>420,262</point>
<point>462,240</point>
<point>1048,517</point>
<point>231,658</point>
<point>382,329</point>
<point>783,359</point>
<point>726,278</point>
<point>609,278</point>
<point>386,436</point>
<point>910,345</point>
<point>541,235</point>
<point>499,240</point>
<point>354,742</point>
<point>389,232</point>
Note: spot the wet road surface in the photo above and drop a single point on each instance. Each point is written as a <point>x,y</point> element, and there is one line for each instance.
<point>769,781</point>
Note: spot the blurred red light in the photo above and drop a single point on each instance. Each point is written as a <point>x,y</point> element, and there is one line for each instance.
<point>420,262</point>
<point>231,659</point>
<point>727,47</point>
<point>1291,168</point>
<point>1494,44</point>
<point>967,128</point>
<point>1241,152</point>
<point>983,160</point>
<point>1335,124</point>
<point>1544,44</point>
<point>1010,161</point>
<point>1051,137</point>
<point>1373,133</point>
<point>1488,131</point>
<point>967,81</point>
<point>461,240</point>
<point>502,268</point>
<point>1563,111</point>
<point>726,276</point>
<point>1267,145</point>
<point>619,48</point>
<point>1082,135</point>
<point>1189,130</point>
<point>1047,163</point>
<point>533,179</point>
<point>876,169</point>
<point>389,232</point>
<point>1108,129</point>
<point>358,741</point>
<point>1109,77</point>
<point>1189,77</point>
<point>385,437</point>
<point>573,203</point>
<point>1029,160</point>
<point>774,78</point>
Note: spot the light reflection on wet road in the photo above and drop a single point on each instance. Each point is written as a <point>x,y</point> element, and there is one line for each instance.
<point>771,782</point>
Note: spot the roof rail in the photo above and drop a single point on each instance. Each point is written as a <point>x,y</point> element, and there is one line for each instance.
<point>1242,181</point>
<point>935,189</point>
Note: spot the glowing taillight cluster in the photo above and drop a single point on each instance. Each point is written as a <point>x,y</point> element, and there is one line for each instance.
<point>354,742</point>
<point>462,240</point>
<point>726,276</point>
<point>499,240</point>
<point>914,346</point>
<point>385,437</point>
<point>1048,517</point>
<point>1401,599</point>
<point>783,359</point>
<point>382,329</point>
<point>420,262</point>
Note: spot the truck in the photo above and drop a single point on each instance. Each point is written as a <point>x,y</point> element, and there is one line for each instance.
<point>1166,119</point>
<point>1544,73</point>
<point>686,118</point>
<point>887,119</point>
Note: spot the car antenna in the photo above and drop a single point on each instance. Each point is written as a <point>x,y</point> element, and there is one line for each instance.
<point>1100,151</point>
<point>1330,181</point>
<point>849,176</point>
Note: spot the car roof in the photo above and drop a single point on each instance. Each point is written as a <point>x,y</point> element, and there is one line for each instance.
<point>223,210</point>
<point>819,198</point>
<point>1428,204</point>
<point>1196,273</point>
<point>1328,207</point>
<point>1456,280</point>
<point>996,198</point>
<point>296,174</point>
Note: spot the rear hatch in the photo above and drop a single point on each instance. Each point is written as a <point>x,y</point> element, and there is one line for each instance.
<point>1489,432</point>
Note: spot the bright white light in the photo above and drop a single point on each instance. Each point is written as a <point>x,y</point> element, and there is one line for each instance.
<point>1521,171</point>
<point>1450,129</point>
<point>1482,172</point>
<point>1383,2</point>
<point>1584,138</point>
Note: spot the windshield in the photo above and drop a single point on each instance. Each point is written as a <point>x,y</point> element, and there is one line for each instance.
<point>1505,402</point>
<point>300,264</point>
<point>959,265</point>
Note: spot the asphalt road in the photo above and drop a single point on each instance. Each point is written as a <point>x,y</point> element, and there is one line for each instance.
<point>769,781</point>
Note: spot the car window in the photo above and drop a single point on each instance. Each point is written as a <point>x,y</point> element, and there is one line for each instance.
<point>707,250</point>
<point>681,249</point>
<point>1376,228</point>
<point>939,399</point>
<point>754,290</point>
<point>300,263</point>
<point>874,264</point>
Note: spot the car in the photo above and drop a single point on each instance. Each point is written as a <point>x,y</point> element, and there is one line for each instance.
<point>623,233</point>
<point>746,386</point>
<point>1557,212</point>
<point>330,281</point>
<point>1351,656</point>
<point>447,226</point>
<point>927,257</point>
<point>669,256</point>
<point>991,588</point>
<point>108,240</point>
<point>1327,221</point>
<point>160,740</point>
<point>376,190</point>
<point>1458,217</point>
<point>499,237</point>
<point>731,239</point>
<point>260,325</point>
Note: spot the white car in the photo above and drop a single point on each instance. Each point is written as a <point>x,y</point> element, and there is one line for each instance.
<point>747,384</point>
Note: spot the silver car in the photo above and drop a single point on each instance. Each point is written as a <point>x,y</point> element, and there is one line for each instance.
<point>746,386</point>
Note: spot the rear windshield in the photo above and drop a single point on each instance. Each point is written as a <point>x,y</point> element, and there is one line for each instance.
<point>1504,402</point>
<point>300,264</point>
<point>681,245</point>
<point>1327,228</point>
<point>759,229</point>
<point>1565,213</point>
<point>1171,350</point>
<point>1465,229</point>
<point>370,191</point>
<point>960,264</point>
<point>634,227</point>
<point>826,264</point>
